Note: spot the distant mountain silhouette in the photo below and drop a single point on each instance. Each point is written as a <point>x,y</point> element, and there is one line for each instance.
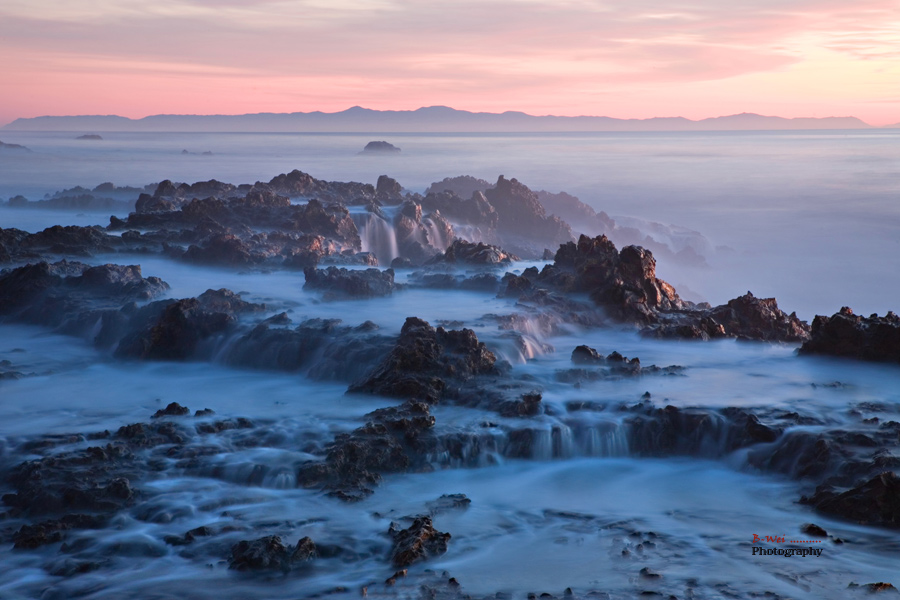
<point>426,119</point>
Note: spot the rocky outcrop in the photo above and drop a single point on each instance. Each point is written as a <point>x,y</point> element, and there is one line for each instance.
<point>521,214</point>
<point>419,541</point>
<point>474,254</point>
<point>171,330</point>
<point>463,186</point>
<point>848,335</point>
<point>745,317</point>
<point>428,363</point>
<point>393,440</point>
<point>338,283</point>
<point>875,502</point>
<point>72,293</point>
<point>623,282</point>
<point>269,553</point>
<point>13,147</point>
<point>381,147</point>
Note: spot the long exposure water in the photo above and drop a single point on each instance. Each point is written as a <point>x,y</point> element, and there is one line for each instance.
<point>811,218</point>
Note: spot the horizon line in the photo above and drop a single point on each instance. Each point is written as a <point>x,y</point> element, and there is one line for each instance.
<point>447,108</point>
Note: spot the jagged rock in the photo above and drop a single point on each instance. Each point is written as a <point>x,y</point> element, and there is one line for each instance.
<point>463,186</point>
<point>388,190</point>
<point>853,336</point>
<point>171,330</point>
<point>426,362</point>
<point>269,553</point>
<point>344,283</point>
<point>392,440</point>
<point>73,295</point>
<point>172,410</point>
<point>521,214</point>
<point>419,541</point>
<point>29,537</point>
<point>321,347</point>
<point>463,252</point>
<point>876,502</point>
<point>448,502</point>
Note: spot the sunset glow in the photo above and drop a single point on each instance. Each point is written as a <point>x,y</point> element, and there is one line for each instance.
<point>640,59</point>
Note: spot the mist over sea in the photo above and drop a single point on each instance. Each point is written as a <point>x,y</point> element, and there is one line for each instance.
<point>811,218</point>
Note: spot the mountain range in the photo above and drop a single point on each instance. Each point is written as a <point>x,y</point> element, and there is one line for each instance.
<point>426,119</point>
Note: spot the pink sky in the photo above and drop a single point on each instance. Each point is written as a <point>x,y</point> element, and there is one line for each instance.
<point>635,59</point>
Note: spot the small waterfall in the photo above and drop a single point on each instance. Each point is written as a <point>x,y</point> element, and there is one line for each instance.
<point>377,236</point>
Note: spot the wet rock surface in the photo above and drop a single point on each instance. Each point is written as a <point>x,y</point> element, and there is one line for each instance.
<point>428,363</point>
<point>269,553</point>
<point>340,283</point>
<point>417,542</point>
<point>463,252</point>
<point>848,335</point>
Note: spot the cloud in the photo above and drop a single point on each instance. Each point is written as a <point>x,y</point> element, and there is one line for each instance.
<point>493,50</point>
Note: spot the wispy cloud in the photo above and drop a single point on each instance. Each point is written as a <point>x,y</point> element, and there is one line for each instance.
<point>519,53</point>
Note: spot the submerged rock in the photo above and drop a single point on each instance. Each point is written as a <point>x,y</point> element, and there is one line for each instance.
<point>419,541</point>
<point>875,502</point>
<point>346,283</point>
<point>269,553</point>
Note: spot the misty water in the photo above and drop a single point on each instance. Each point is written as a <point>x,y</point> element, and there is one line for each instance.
<point>811,218</point>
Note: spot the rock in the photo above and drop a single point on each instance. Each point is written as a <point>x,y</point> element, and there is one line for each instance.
<point>875,502</point>
<point>269,553</point>
<point>172,410</point>
<point>426,363</point>
<point>388,190</point>
<point>29,537</point>
<point>379,147</point>
<point>392,440</point>
<point>813,530</point>
<point>521,214</point>
<point>344,283</point>
<point>171,330</point>
<point>419,541</point>
<point>463,252</point>
<point>848,335</point>
<point>89,136</point>
<point>448,502</point>
<point>13,147</point>
<point>463,186</point>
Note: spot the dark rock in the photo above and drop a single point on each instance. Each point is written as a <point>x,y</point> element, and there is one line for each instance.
<point>848,335</point>
<point>448,502</point>
<point>419,541</point>
<point>89,136</point>
<point>463,252</point>
<point>393,440</point>
<point>813,530</point>
<point>344,283</point>
<point>171,330</point>
<point>426,362</point>
<point>463,186</point>
<point>172,410</point>
<point>380,147</point>
<point>15,147</point>
<point>387,189</point>
<point>876,502</point>
<point>269,553</point>
<point>29,537</point>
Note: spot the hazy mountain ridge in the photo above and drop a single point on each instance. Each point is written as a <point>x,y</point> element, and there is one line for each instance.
<point>426,119</point>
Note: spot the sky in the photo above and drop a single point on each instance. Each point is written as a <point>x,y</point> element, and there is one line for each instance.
<point>624,59</point>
